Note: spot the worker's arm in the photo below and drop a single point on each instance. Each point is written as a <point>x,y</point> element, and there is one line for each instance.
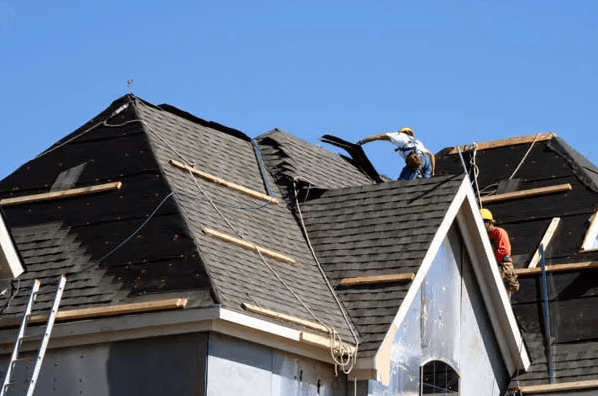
<point>432,160</point>
<point>380,136</point>
<point>503,245</point>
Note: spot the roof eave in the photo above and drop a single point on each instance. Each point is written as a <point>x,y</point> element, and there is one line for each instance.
<point>293,339</point>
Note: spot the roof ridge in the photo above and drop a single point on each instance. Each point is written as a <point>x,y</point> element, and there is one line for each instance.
<point>501,142</point>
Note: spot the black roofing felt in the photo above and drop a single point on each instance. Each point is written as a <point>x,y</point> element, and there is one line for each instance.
<point>376,230</point>
<point>573,295</point>
<point>77,235</point>
<point>97,241</point>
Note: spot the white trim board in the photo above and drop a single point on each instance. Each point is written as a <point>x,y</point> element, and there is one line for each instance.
<point>463,210</point>
<point>163,323</point>
<point>10,260</point>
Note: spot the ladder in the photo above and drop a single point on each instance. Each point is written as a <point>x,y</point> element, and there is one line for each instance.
<point>21,337</point>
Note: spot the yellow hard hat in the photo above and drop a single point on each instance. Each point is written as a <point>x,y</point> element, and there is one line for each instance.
<point>486,215</point>
<point>407,130</point>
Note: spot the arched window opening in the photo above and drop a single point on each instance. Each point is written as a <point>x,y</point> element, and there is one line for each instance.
<point>438,378</point>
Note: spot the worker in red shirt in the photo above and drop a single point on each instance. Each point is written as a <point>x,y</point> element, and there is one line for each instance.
<point>502,251</point>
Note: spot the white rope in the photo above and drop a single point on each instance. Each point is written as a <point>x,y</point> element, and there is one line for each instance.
<point>340,351</point>
<point>353,357</point>
<point>525,156</point>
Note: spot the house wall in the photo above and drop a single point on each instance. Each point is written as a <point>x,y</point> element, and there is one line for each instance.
<point>237,367</point>
<point>447,321</point>
<point>176,365</point>
<point>173,365</point>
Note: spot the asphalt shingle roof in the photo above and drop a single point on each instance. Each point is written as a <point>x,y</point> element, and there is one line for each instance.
<point>377,229</point>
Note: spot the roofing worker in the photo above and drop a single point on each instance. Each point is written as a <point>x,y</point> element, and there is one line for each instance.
<point>419,162</point>
<point>499,238</point>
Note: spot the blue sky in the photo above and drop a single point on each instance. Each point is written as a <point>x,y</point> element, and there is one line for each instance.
<point>454,71</point>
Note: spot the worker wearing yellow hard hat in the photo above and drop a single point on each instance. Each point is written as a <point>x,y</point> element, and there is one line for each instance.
<point>499,238</point>
<point>419,161</point>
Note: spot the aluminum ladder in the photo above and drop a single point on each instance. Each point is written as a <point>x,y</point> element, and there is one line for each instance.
<point>21,337</point>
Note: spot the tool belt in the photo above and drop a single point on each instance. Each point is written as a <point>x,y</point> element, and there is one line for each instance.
<point>414,160</point>
<point>508,274</point>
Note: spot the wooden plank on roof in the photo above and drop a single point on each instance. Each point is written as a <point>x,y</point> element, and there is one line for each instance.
<point>224,183</point>
<point>591,233</point>
<point>545,241</point>
<point>248,245</point>
<point>286,318</point>
<point>557,268</point>
<point>561,387</point>
<point>365,280</point>
<point>323,341</point>
<point>527,193</point>
<point>112,310</point>
<point>61,194</point>
<point>506,142</point>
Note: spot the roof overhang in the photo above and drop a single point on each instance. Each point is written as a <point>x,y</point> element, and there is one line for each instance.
<point>463,211</point>
<point>289,338</point>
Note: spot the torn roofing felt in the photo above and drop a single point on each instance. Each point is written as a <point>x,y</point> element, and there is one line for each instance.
<point>376,230</point>
<point>290,158</point>
<point>112,260</point>
<point>572,295</point>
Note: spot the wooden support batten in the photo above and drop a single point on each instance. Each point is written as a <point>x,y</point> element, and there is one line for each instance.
<point>224,183</point>
<point>247,245</point>
<point>559,387</point>
<point>557,268</point>
<point>506,142</point>
<point>545,241</point>
<point>365,280</point>
<point>527,193</point>
<point>285,318</point>
<point>111,310</point>
<point>61,194</point>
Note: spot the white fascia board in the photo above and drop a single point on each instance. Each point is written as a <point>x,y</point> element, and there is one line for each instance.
<point>382,358</point>
<point>10,260</point>
<point>494,293</point>
<point>182,321</point>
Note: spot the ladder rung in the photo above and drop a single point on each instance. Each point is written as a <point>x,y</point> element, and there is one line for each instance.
<point>30,338</point>
<point>36,334</point>
<point>30,360</point>
<point>12,384</point>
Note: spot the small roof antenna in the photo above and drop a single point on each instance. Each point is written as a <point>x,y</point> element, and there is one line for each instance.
<point>129,85</point>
